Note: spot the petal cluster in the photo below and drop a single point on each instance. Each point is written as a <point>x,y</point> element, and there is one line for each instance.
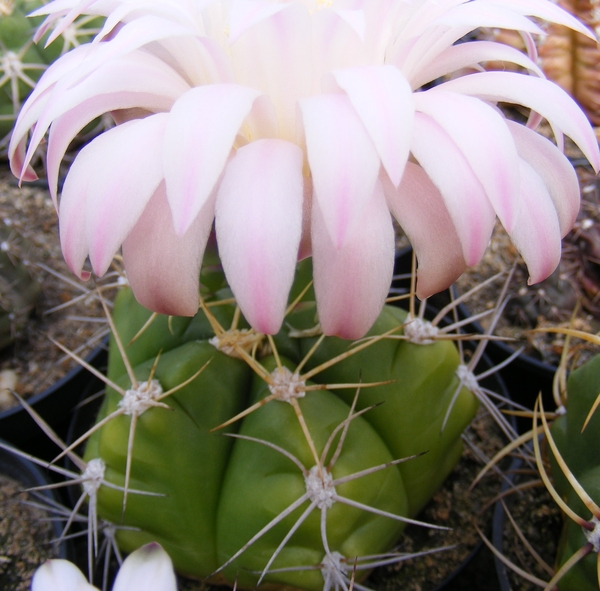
<point>148,568</point>
<point>302,128</point>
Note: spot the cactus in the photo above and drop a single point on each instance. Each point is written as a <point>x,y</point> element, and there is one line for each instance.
<point>579,449</point>
<point>22,62</point>
<point>307,477</point>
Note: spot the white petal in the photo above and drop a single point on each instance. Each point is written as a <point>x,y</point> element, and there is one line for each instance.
<point>343,162</point>
<point>352,281</point>
<point>555,170</point>
<point>465,199</point>
<point>536,232</point>
<point>128,171</point>
<point>162,267</point>
<point>200,132</point>
<point>421,211</point>
<point>480,133</point>
<point>149,568</point>
<point>542,96</point>
<point>259,224</point>
<point>59,575</point>
<point>383,100</point>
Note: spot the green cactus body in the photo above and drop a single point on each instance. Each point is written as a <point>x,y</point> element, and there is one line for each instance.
<point>581,452</point>
<point>412,407</point>
<point>161,335</point>
<point>174,455</point>
<point>264,480</point>
<point>222,491</point>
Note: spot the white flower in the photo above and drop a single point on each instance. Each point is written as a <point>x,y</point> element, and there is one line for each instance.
<point>300,127</point>
<point>149,568</point>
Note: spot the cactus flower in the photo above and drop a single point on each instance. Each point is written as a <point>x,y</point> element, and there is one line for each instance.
<point>302,128</point>
<point>149,567</point>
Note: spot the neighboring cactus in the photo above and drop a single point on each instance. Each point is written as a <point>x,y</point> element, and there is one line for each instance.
<point>19,291</point>
<point>307,477</point>
<point>22,61</point>
<point>579,448</point>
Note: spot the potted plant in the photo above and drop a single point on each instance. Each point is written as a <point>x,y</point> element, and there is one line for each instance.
<point>206,131</point>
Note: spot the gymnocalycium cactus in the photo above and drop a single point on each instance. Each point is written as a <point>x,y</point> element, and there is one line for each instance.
<point>309,478</point>
<point>577,479</point>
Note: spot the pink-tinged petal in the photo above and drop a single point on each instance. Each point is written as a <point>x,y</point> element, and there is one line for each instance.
<point>33,108</point>
<point>59,575</point>
<point>470,124</point>
<point>17,162</point>
<point>130,37</point>
<point>243,15</point>
<point>422,14</point>
<point>138,80</point>
<point>111,86</point>
<point>259,224</point>
<point>380,23</point>
<point>352,281</point>
<point>473,15</point>
<point>547,11</point>
<point>441,32</point>
<point>305,249</point>
<point>554,169</point>
<point>128,11</point>
<point>355,19</point>
<point>421,211</point>
<point>469,55</point>
<point>343,161</point>
<point>57,11</point>
<point>72,211</point>
<point>261,121</point>
<point>384,103</point>
<point>265,56</point>
<point>128,171</point>
<point>163,268</point>
<point>68,19</point>
<point>335,44</point>
<point>149,568</point>
<point>199,60</point>
<point>202,126</point>
<point>464,197</point>
<point>536,232</point>
<point>542,96</point>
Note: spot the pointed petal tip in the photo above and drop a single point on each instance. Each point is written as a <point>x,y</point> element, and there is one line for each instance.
<point>148,567</point>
